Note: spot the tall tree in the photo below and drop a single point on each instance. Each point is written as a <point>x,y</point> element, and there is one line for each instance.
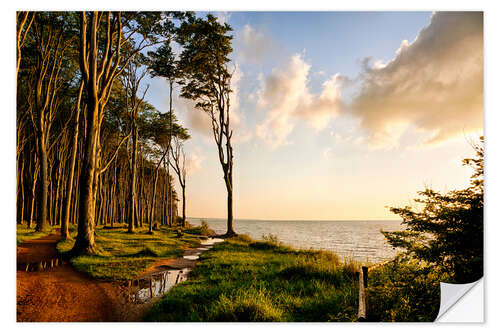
<point>108,41</point>
<point>207,80</point>
<point>162,63</point>
<point>133,78</point>
<point>50,45</point>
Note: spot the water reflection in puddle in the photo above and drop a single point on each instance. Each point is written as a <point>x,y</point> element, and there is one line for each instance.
<point>211,241</point>
<point>192,257</point>
<point>156,285</point>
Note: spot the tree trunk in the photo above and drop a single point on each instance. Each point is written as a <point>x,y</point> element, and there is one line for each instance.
<point>85,243</point>
<point>42,186</point>
<point>230,230</point>
<point>65,221</point>
<point>229,187</point>
<point>183,206</point>
<point>155,182</point>
<point>33,198</point>
<point>132,191</point>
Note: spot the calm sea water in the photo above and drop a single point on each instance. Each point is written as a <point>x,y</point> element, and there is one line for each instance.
<point>361,240</point>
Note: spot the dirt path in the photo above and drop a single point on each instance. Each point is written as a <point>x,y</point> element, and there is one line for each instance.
<point>62,294</point>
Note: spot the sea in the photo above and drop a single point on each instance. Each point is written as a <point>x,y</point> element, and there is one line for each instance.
<point>358,240</point>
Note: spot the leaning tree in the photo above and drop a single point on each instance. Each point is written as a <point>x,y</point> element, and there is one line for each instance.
<point>205,62</point>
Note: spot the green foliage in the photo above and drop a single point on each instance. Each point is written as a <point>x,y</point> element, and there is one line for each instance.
<point>273,239</point>
<point>206,48</point>
<point>447,232</point>
<point>245,280</point>
<point>203,229</point>
<point>404,290</point>
<point>122,256</point>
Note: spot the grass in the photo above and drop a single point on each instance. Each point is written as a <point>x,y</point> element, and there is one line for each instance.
<point>122,256</point>
<point>404,291</point>
<point>23,233</point>
<point>246,280</point>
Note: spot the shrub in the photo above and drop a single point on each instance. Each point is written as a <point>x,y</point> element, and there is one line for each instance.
<point>447,231</point>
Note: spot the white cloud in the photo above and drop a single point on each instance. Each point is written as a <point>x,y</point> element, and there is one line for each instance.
<point>433,86</point>
<point>222,17</point>
<point>194,160</point>
<point>327,153</point>
<point>285,97</point>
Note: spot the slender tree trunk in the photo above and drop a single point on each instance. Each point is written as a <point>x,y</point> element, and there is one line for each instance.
<point>132,191</point>
<point>20,205</point>
<point>65,222</point>
<point>155,181</point>
<point>230,230</point>
<point>43,186</point>
<point>33,197</point>
<point>183,205</point>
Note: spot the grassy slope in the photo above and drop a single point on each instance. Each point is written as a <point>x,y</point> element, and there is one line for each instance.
<point>122,256</point>
<point>24,234</point>
<point>243,280</point>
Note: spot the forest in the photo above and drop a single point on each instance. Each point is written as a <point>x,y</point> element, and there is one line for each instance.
<point>91,150</point>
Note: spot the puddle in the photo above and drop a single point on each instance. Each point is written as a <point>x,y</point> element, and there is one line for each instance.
<point>156,285</point>
<point>211,241</point>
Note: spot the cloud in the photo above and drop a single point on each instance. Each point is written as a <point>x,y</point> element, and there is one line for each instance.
<point>253,45</point>
<point>194,160</point>
<point>222,17</point>
<point>238,120</point>
<point>194,119</point>
<point>433,86</point>
<point>285,97</point>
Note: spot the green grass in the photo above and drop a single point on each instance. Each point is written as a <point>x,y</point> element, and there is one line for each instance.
<point>24,234</point>
<point>122,256</point>
<point>245,280</point>
<point>404,291</point>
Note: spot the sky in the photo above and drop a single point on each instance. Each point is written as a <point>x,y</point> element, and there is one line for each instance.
<point>339,115</point>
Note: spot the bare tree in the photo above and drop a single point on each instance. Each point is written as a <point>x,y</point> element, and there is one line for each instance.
<point>178,163</point>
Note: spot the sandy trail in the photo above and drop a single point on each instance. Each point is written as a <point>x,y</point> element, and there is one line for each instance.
<point>63,294</point>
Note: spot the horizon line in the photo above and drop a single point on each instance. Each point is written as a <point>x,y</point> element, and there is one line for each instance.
<point>291,220</point>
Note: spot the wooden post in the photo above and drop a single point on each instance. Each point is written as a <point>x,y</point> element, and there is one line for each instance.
<point>365,276</point>
<point>178,277</point>
<point>363,284</point>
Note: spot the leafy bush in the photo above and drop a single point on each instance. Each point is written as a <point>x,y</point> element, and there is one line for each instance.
<point>404,290</point>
